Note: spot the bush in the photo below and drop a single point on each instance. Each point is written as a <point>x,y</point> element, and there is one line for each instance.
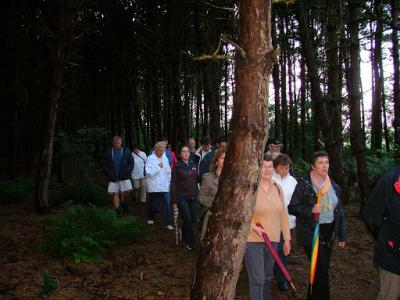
<point>12,191</point>
<point>84,233</point>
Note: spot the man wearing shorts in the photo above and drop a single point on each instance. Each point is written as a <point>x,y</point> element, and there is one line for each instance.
<point>117,166</point>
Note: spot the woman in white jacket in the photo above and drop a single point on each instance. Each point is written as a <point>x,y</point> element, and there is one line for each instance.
<point>158,179</point>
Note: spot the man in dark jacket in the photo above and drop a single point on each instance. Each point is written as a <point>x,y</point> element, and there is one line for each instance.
<point>117,165</point>
<point>382,216</point>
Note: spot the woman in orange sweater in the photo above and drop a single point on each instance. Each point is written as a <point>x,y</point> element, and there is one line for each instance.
<point>270,211</point>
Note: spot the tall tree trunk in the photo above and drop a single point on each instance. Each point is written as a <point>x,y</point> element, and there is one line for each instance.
<point>303,92</point>
<point>44,171</point>
<point>277,87</point>
<point>220,261</point>
<point>325,112</point>
<point>376,123</point>
<point>283,63</point>
<point>334,99</point>
<point>357,134</point>
<point>395,12</point>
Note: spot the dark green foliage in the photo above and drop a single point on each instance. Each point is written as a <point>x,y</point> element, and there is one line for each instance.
<point>379,164</point>
<point>301,168</point>
<point>91,193</point>
<point>12,191</point>
<point>77,154</point>
<point>84,233</point>
<point>49,284</point>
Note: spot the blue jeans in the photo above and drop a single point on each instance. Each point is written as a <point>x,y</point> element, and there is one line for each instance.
<point>154,205</point>
<point>259,265</point>
<point>187,210</point>
<point>285,260</point>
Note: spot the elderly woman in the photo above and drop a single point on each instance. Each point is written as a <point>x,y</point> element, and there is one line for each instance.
<point>184,193</point>
<point>209,186</point>
<point>270,211</point>
<point>158,178</point>
<point>328,213</point>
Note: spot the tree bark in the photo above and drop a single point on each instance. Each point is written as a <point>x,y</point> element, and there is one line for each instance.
<point>220,260</point>
<point>357,134</point>
<point>44,171</point>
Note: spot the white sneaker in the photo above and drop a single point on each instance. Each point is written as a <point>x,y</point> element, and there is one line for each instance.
<point>169,227</point>
<point>150,222</point>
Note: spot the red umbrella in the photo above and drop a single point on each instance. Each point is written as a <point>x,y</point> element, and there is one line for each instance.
<point>275,255</point>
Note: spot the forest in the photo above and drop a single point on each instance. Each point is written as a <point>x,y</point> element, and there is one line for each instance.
<point>77,73</point>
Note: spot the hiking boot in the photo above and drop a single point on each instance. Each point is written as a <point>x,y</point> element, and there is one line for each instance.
<point>169,227</point>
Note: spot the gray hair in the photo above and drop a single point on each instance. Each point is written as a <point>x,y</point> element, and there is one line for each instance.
<point>160,145</point>
<point>116,138</point>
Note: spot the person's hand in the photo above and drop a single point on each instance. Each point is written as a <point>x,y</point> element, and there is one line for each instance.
<point>287,247</point>
<point>317,208</point>
<point>259,231</point>
<point>342,245</point>
<point>161,165</point>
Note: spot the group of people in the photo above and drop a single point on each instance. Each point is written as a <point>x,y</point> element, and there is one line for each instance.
<point>160,178</point>
<point>284,207</point>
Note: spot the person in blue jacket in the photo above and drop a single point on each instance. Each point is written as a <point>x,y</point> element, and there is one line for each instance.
<point>117,165</point>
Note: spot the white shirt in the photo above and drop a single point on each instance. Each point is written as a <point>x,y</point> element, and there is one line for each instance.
<point>288,184</point>
<point>140,162</point>
<point>158,179</point>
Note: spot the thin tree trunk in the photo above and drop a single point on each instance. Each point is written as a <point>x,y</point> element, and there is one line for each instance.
<point>303,80</point>
<point>283,63</point>
<point>376,123</point>
<point>277,87</point>
<point>396,68</point>
<point>220,260</point>
<point>333,143</point>
<point>357,134</point>
<point>44,171</point>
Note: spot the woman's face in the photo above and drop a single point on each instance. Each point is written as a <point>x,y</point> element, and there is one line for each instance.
<point>267,168</point>
<point>282,170</point>
<point>220,161</point>
<point>321,166</point>
<point>185,153</point>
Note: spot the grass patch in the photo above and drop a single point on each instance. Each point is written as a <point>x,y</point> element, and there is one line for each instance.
<point>84,233</point>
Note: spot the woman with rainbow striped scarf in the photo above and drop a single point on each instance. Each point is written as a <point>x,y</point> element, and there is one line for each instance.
<point>319,215</point>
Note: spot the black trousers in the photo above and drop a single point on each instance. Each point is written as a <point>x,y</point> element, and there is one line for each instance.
<point>320,289</point>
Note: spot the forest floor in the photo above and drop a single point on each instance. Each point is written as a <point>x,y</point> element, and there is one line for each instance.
<point>155,267</point>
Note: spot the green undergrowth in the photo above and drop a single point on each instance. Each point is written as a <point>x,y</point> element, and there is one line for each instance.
<point>48,284</point>
<point>14,191</point>
<point>78,194</point>
<point>85,233</point>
